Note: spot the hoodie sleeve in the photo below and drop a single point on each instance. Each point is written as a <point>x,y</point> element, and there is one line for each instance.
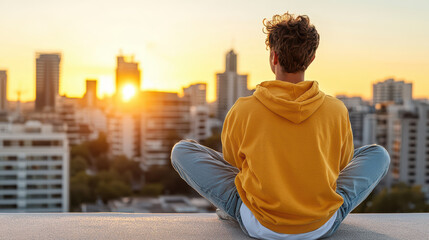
<point>347,148</point>
<point>231,139</point>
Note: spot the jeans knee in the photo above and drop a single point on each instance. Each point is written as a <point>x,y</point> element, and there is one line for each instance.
<point>179,149</point>
<point>381,155</point>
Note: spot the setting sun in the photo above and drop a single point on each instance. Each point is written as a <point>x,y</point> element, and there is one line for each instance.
<point>128,92</point>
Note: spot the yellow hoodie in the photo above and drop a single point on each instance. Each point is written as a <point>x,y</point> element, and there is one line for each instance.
<point>290,142</point>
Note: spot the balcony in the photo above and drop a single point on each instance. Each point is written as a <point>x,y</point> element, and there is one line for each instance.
<point>189,226</point>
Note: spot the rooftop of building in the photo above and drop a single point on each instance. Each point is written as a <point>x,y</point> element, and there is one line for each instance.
<point>189,226</point>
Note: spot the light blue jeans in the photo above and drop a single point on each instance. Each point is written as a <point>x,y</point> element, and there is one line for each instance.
<point>206,171</point>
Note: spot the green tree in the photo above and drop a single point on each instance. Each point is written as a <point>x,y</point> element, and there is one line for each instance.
<point>401,198</point>
<point>152,189</point>
<point>129,170</point>
<point>80,191</point>
<point>102,163</point>
<point>110,186</point>
<point>77,164</point>
<point>98,146</point>
<point>81,151</point>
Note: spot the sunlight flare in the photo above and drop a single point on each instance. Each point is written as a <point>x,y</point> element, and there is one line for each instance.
<point>128,92</point>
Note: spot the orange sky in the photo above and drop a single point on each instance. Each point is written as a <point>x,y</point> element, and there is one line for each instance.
<point>181,42</point>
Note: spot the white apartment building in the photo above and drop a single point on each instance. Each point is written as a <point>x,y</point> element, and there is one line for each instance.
<point>404,131</point>
<point>34,168</point>
<point>390,90</point>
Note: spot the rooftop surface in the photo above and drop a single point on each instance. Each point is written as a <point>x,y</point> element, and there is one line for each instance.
<point>190,226</point>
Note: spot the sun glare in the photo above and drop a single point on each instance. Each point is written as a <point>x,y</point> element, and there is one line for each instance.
<point>128,92</point>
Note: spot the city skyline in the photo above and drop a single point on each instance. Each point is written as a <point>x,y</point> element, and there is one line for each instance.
<point>360,43</point>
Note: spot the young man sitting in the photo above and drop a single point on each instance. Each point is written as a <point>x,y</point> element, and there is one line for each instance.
<point>288,169</point>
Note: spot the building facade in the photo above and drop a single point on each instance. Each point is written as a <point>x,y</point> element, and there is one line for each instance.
<point>390,90</point>
<point>34,168</point>
<point>123,134</point>
<point>165,119</point>
<point>404,131</point>
<point>47,80</point>
<point>196,93</point>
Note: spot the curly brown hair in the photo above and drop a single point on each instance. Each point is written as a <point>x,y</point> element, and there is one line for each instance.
<point>293,39</point>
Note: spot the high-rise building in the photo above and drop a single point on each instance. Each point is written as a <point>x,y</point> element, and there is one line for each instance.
<point>3,91</point>
<point>90,97</point>
<point>390,90</point>
<point>34,168</point>
<point>127,73</point>
<point>47,80</point>
<point>230,86</point>
<point>197,94</point>
<point>165,120</point>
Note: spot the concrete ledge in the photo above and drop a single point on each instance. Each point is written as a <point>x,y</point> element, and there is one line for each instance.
<point>108,226</point>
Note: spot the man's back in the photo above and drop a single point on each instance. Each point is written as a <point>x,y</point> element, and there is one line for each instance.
<point>289,142</point>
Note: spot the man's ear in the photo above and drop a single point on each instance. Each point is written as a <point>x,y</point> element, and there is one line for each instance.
<point>275,58</point>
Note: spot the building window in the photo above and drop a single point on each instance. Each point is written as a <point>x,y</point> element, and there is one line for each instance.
<point>37,205</point>
<point>56,158</point>
<point>46,143</point>
<point>8,206</point>
<point>8,177</point>
<point>8,187</point>
<point>8,196</point>
<point>11,158</point>
<point>56,195</point>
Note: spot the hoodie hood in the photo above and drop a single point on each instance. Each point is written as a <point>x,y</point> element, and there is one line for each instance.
<point>293,101</point>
